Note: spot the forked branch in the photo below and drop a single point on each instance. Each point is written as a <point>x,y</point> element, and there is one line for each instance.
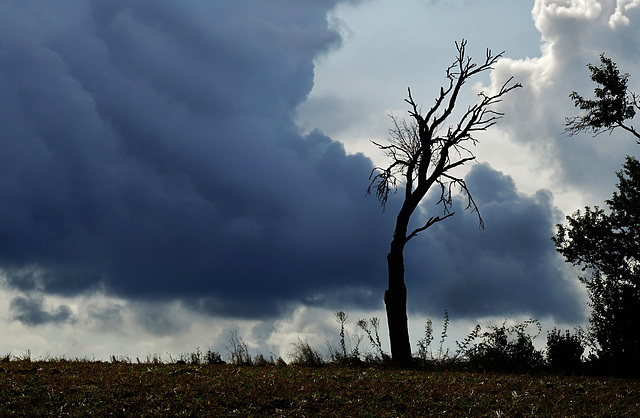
<point>420,157</point>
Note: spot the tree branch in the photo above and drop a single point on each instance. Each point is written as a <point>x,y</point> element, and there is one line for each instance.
<point>632,131</point>
<point>612,106</point>
<point>420,158</point>
<point>432,220</point>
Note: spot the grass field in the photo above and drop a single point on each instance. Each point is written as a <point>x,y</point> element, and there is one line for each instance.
<point>81,388</point>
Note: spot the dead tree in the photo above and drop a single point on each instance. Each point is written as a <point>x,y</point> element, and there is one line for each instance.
<point>422,155</point>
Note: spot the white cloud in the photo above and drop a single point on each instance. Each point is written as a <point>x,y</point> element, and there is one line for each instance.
<point>619,17</point>
<point>574,34</point>
<point>568,9</point>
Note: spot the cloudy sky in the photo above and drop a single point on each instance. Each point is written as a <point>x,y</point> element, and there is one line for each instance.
<point>172,171</point>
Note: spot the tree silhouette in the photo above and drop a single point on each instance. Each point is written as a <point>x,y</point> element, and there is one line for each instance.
<point>608,246</point>
<point>608,243</point>
<point>423,154</point>
<point>612,107</point>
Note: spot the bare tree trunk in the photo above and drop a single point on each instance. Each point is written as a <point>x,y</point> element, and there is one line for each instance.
<point>395,299</point>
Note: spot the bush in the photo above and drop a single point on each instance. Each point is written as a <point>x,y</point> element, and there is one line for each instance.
<point>564,351</point>
<point>506,349</point>
<point>213,357</point>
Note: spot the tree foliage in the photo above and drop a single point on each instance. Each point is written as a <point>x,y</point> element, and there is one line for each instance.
<point>613,104</point>
<point>606,244</point>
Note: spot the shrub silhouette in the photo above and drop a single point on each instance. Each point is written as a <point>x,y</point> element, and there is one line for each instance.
<point>501,350</point>
<point>564,351</point>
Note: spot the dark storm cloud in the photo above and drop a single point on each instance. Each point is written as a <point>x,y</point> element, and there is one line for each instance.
<point>31,311</point>
<point>148,148</point>
<point>509,267</point>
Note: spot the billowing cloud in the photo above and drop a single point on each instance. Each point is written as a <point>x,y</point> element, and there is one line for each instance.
<point>574,33</point>
<point>619,17</point>
<point>150,149</point>
<point>509,267</point>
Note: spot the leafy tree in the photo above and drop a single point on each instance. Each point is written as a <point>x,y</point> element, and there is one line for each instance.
<point>607,244</point>
<point>422,155</point>
<point>612,107</point>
